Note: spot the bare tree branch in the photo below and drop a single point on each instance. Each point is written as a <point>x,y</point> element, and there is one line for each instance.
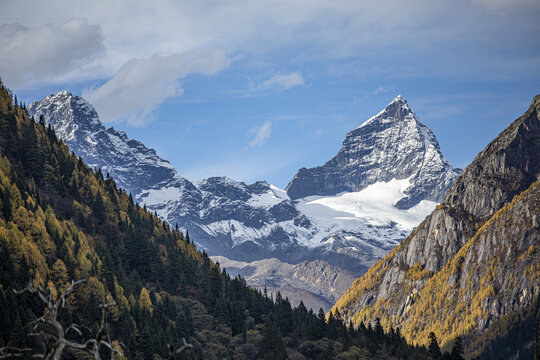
<point>173,353</point>
<point>53,335</point>
<point>9,352</point>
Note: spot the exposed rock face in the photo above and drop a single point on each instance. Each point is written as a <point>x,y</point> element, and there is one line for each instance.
<point>505,168</point>
<point>394,144</point>
<point>475,257</point>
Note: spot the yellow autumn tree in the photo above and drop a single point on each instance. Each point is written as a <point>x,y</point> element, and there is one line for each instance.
<point>59,272</point>
<point>144,301</point>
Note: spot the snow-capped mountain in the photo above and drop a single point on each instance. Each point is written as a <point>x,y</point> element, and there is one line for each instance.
<point>394,144</point>
<point>133,166</point>
<point>258,221</point>
<point>350,212</point>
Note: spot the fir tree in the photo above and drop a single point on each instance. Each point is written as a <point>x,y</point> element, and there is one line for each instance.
<point>272,347</point>
<point>433,347</point>
<point>457,350</point>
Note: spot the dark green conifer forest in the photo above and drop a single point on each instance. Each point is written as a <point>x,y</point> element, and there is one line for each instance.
<point>62,221</point>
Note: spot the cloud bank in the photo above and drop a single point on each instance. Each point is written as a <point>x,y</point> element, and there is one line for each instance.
<point>351,39</point>
<point>47,52</point>
<point>135,29</point>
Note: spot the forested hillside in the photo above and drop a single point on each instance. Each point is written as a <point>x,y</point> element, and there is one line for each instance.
<point>62,221</point>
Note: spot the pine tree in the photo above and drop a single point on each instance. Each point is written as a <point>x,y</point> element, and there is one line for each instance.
<point>433,348</point>
<point>272,347</point>
<point>457,350</point>
<point>144,301</point>
<point>99,209</point>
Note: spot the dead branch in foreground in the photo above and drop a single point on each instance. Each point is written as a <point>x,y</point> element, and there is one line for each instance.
<point>53,334</point>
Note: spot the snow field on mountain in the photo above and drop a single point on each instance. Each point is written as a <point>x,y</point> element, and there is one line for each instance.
<point>373,206</point>
<point>268,199</point>
<point>369,214</point>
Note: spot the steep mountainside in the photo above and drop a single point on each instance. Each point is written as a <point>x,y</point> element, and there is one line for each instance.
<point>475,258</point>
<point>61,221</point>
<point>250,222</point>
<point>394,144</point>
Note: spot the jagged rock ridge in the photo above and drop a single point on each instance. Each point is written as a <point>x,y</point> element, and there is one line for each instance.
<point>475,258</point>
<point>394,144</point>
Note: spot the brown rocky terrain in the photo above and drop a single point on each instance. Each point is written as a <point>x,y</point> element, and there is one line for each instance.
<point>316,283</point>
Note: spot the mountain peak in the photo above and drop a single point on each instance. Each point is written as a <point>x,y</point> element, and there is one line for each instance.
<point>60,94</point>
<point>63,93</point>
<point>488,216</point>
<point>77,123</point>
<point>398,98</point>
<point>393,144</point>
<point>400,102</point>
<point>396,110</point>
<point>69,115</point>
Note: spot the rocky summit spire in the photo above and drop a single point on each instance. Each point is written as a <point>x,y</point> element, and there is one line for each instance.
<point>393,144</point>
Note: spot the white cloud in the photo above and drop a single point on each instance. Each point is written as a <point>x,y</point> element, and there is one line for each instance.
<point>47,53</point>
<point>140,86</point>
<point>283,82</point>
<point>262,135</point>
<point>400,38</point>
<point>383,89</point>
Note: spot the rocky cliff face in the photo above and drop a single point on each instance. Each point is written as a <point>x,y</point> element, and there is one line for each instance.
<point>476,257</point>
<point>394,144</point>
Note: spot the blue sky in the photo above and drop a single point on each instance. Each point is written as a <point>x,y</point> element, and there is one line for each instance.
<point>257,89</point>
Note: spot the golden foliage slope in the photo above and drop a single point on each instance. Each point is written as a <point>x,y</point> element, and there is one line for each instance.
<point>502,256</point>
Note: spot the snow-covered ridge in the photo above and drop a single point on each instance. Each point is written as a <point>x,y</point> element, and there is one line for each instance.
<point>383,182</point>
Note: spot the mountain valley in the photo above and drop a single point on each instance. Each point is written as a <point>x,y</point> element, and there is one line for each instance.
<point>347,227</point>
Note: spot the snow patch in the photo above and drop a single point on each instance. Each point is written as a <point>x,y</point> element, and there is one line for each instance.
<point>268,199</point>
<point>154,197</point>
<point>280,193</point>
<point>364,211</point>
